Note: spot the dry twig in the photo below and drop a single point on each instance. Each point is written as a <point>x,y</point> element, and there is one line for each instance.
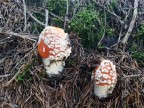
<point>46,17</point>
<point>130,76</point>
<point>66,14</point>
<point>25,22</point>
<point>103,7</point>
<point>122,26</point>
<point>35,19</point>
<point>32,38</point>
<point>3,76</point>
<point>131,26</point>
<point>104,29</point>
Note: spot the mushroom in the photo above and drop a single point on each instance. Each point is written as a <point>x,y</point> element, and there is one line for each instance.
<point>105,78</point>
<point>54,47</point>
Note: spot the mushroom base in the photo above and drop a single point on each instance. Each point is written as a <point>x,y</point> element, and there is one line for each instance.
<point>53,68</point>
<point>103,91</point>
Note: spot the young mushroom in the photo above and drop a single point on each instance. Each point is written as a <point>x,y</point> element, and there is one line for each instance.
<point>54,47</point>
<point>105,78</point>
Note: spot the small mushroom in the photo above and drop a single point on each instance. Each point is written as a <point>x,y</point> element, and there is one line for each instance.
<point>105,78</point>
<point>53,47</point>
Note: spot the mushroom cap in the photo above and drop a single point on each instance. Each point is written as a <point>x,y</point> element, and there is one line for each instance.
<point>54,43</point>
<point>105,74</point>
<point>105,78</point>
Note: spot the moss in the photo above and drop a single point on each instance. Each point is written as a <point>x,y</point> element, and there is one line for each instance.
<point>89,27</point>
<point>25,74</point>
<point>139,56</point>
<point>58,7</point>
<point>137,45</point>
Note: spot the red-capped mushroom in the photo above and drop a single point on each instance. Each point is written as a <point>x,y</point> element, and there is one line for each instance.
<point>105,78</point>
<point>53,47</point>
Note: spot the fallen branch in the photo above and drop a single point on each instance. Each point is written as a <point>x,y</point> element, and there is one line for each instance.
<point>30,37</point>
<point>104,29</point>
<point>3,76</point>
<point>122,26</point>
<point>131,26</point>
<point>35,19</point>
<point>56,16</point>
<point>130,76</point>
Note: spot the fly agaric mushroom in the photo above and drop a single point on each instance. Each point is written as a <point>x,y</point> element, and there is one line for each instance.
<point>105,78</point>
<point>54,47</point>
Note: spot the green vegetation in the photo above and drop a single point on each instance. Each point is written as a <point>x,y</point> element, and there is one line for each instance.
<point>112,5</point>
<point>89,26</point>
<point>90,23</point>
<point>139,56</point>
<point>58,8</point>
<point>25,74</point>
<point>137,46</point>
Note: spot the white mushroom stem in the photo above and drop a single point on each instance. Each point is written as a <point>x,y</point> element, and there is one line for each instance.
<point>53,68</point>
<point>102,91</point>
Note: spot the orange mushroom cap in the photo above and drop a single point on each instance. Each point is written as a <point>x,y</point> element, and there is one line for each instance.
<point>54,43</point>
<point>41,47</point>
<point>105,74</point>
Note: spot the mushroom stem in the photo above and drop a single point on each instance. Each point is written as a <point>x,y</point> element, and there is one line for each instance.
<point>102,91</point>
<point>53,68</point>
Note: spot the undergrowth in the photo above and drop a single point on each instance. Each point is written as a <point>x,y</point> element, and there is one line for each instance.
<point>25,74</point>
<point>137,46</point>
<point>90,23</point>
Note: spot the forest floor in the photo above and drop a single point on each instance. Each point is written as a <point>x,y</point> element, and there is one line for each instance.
<point>24,84</point>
